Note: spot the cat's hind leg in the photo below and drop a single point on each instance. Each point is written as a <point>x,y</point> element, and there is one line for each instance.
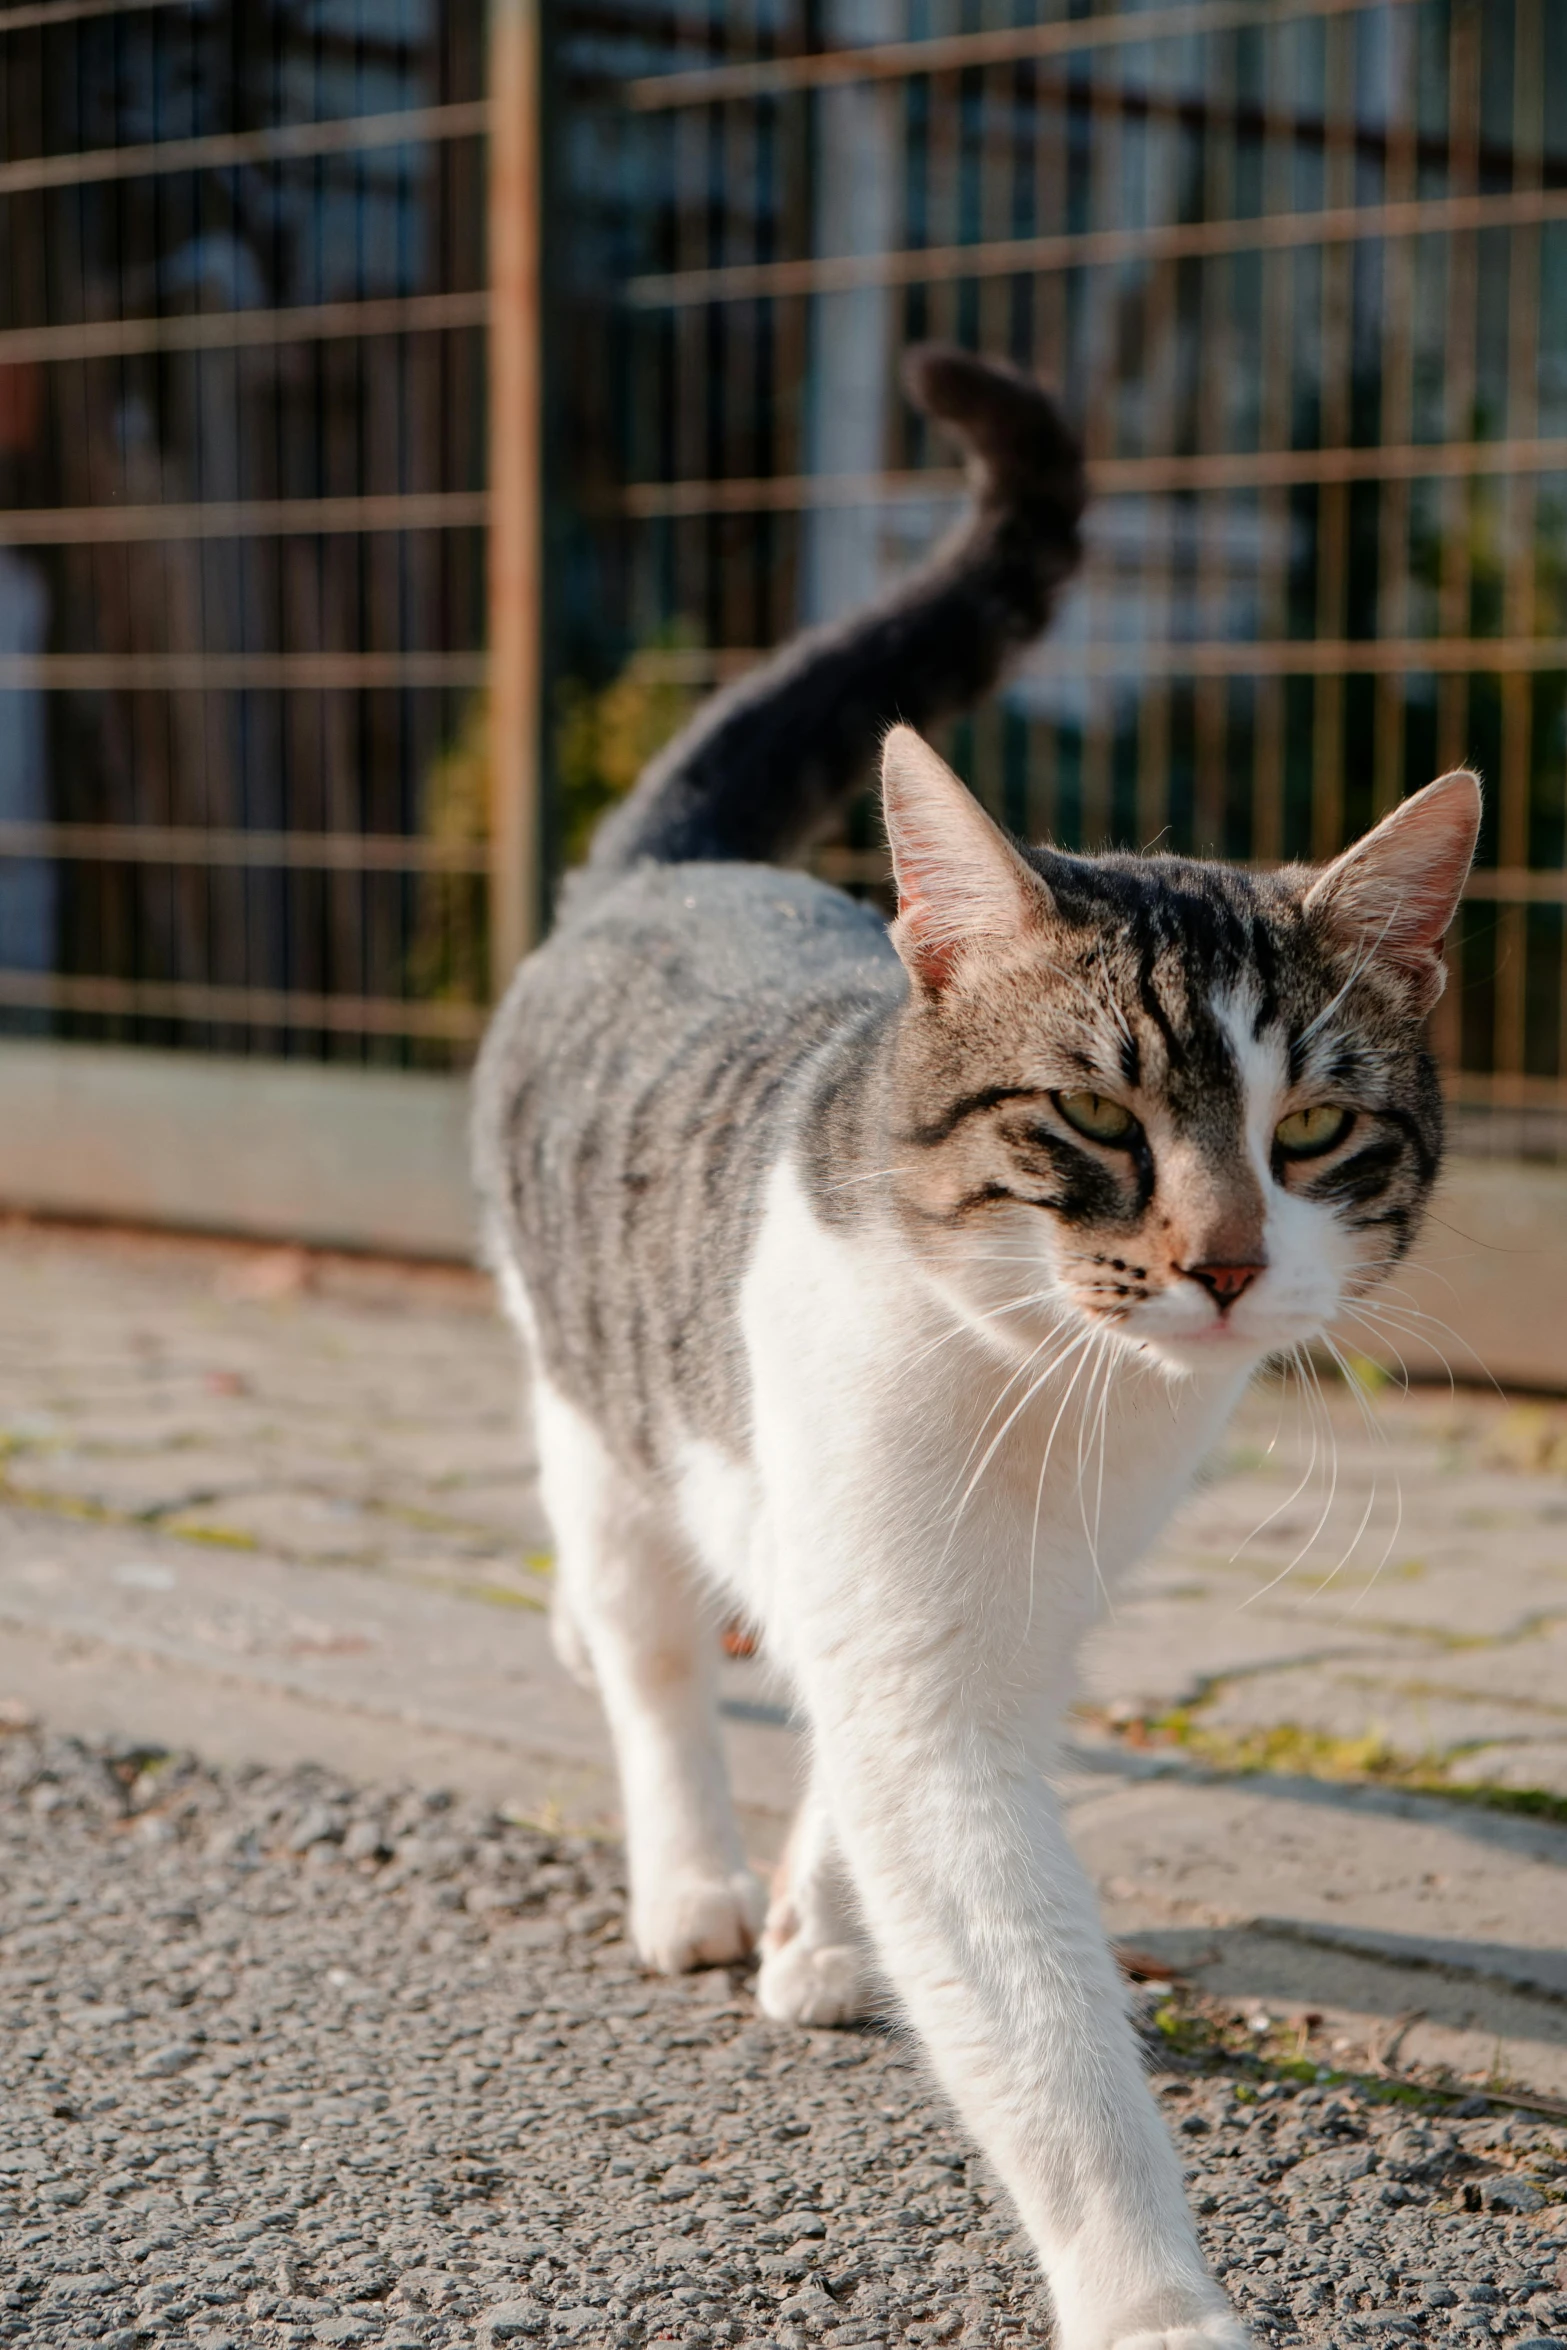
<point>816,1962</point>
<point>630,1605</point>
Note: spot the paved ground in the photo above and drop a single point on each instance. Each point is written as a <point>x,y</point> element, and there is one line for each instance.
<point>288,2061</point>
<point>279,1512</point>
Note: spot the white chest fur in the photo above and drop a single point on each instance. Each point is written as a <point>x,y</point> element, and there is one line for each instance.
<point>1005,1489</point>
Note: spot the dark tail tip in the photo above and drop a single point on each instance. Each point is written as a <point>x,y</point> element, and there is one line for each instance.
<point>1017,440</point>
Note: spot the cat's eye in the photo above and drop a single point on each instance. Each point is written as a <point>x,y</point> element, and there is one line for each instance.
<point>1097,1116</point>
<point>1306,1134</point>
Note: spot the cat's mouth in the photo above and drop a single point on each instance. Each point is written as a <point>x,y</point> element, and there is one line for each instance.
<point>1186,1333</point>
<point>1225,1349</point>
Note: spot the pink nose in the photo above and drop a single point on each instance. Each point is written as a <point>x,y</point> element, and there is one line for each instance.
<point>1224,1283</point>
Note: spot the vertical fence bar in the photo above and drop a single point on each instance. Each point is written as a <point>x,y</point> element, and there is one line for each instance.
<point>516,550</point>
<point>1213,509</point>
<point>1397,408</point>
<point>1267,824</point>
<point>1518,615</point>
<point>1050,132</point>
<point>1463,256</point>
<point>1160,392</point>
<point>1456,497</point>
<point>1101,371</point>
<point>1327,734</point>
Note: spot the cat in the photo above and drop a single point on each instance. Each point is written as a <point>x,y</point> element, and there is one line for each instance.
<point>888,1284</point>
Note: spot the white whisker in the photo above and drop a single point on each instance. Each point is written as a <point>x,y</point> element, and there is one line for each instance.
<point>1387,1552</point>
<point>1290,1498</point>
<point>1327,1507</point>
<point>1039,1489</point>
<point>1000,1436</point>
<point>1406,1312</point>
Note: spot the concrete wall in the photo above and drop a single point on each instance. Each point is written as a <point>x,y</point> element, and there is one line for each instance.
<point>339,1157</point>
<point>1491,1275</point>
<point>377,1160</point>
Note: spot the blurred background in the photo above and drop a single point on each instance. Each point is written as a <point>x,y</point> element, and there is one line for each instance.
<point>407,411</point>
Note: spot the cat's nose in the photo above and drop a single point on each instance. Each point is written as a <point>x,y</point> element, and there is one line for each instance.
<point>1224,1283</point>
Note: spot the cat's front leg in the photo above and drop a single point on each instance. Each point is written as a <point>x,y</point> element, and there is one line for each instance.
<point>988,1930</point>
<point>816,1966</point>
<point>630,1616</point>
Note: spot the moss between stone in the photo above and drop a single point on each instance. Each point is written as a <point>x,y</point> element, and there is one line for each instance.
<point>1208,2035</point>
<point>1287,1750</point>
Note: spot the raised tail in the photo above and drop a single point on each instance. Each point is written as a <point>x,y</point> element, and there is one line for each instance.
<point>764,764</point>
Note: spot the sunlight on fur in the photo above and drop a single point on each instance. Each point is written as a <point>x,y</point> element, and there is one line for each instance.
<point>889,1287</point>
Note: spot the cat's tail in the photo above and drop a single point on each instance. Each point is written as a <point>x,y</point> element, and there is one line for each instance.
<point>764,763</point>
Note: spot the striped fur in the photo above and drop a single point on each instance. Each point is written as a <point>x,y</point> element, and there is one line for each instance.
<point>888,1286</point>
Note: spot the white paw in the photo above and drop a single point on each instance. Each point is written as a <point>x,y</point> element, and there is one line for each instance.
<point>699,1921</point>
<point>804,1984</point>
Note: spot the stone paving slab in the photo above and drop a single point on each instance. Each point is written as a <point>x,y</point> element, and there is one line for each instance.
<point>342,1638</point>
<point>1298,1896</point>
<point>268,1505</point>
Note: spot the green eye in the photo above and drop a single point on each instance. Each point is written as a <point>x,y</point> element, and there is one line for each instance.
<point>1097,1116</point>
<point>1306,1134</point>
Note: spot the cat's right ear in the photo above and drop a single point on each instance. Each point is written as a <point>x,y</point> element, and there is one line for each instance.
<point>961,884</point>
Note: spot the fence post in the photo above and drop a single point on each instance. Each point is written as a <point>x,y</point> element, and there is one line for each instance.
<point>516,585</point>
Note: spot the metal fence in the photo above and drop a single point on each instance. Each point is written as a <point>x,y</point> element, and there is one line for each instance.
<point>243,481</point>
<point>1300,267</point>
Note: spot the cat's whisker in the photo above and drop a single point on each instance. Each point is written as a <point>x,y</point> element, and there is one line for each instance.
<point>1290,1498</point>
<point>1396,1304</point>
<point>1044,1465</point>
<point>1314,1027</point>
<point>1432,1265</point>
<point>1021,1372</point>
<point>1386,1326</point>
<point>1018,1408</point>
<point>1278,1422</point>
<point>873,1175</point>
<point>1364,957</point>
<point>1090,1423</point>
<point>1354,1543</point>
<point>1387,1550</point>
<point>1306,1409</point>
<point>1346,1372</point>
<point>1380,1334</point>
<point>1099,1484</point>
<point>1327,1508</point>
<point>1056,1363</point>
<point>1383,1337</point>
<point>965,1328</point>
<point>1110,997</point>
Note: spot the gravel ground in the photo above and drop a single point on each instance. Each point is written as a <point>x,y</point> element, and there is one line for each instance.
<point>285,2061</point>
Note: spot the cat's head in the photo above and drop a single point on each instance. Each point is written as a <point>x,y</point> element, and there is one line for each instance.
<point>1190,1102</point>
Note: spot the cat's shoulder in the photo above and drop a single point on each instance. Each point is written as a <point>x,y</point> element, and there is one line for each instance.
<point>725,903</point>
<point>713,932</point>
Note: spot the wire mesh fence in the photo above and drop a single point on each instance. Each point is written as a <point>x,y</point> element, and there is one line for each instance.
<point>1299,267</point>
<point>242,474</point>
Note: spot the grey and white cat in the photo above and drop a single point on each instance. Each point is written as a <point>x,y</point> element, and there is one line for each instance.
<point>888,1286</point>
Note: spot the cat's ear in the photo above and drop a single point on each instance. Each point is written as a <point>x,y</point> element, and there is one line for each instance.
<point>1391,897</point>
<point>961,883</point>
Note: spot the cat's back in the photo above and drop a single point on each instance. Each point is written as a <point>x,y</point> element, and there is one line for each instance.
<point>672,951</point>
<point>649,1065</point>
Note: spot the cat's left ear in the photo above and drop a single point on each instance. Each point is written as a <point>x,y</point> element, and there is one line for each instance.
<point>1391,897</point>
<point>961,884</point>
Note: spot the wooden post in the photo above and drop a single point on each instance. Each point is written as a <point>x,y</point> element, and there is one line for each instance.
<point>516,550</point>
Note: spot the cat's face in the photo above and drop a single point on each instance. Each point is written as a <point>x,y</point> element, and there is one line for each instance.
<point>1189,1103</point>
